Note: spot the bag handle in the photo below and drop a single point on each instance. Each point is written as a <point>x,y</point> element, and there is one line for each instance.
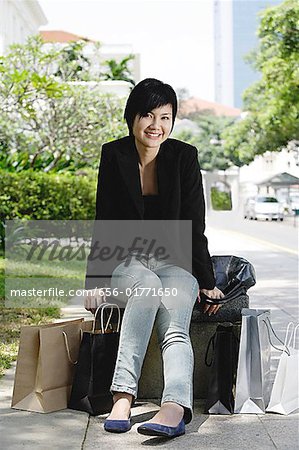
<point>287,341</point>
<point>211,342</point>
<point>102,307</point>
<point>295,335</point>
<point>68,347</point>
<point>269,325</point>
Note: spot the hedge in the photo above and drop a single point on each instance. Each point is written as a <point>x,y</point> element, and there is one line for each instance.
<point>37,195</point>
<point>221,201</point>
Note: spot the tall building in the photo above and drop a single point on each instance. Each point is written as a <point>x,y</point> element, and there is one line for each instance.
<point>235,27</point>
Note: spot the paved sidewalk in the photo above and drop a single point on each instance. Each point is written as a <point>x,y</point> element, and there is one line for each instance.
<point>276,289</point>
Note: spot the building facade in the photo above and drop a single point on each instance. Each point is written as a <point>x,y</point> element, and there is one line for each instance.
<point>18,20</point>
<point>235,35</point>
<point>266,166</point>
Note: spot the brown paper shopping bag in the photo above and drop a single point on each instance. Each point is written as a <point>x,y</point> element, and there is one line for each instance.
<point>46,360</point>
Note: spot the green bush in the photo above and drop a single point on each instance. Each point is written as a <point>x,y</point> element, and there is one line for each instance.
<point>221,201</point>
<point>37,195</point>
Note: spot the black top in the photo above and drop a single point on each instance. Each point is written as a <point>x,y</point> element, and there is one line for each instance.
<point>151,207</point>
<point>119,196</point>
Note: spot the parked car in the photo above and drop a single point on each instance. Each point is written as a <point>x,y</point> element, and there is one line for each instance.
<point>267,208</point>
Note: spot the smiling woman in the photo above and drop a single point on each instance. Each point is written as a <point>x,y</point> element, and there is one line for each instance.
<point>155,127</point>
<point>147,96</point>
<point>148,176</point>
<point>150,112</point>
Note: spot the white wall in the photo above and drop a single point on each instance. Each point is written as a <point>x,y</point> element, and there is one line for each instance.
<point>230,177</point>
<point>119,52</point>
<point>106,52</point>
<point>18,20</point>
<point>117,87</point>
<point>264,167</point>
<point>269,164</point>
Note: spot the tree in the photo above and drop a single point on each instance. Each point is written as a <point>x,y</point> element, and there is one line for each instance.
<point>182,93</point>
<point>208,140</point>
<point>73,64</point>
<point>47,121</point>
<point>272,103</point>
<point>119,70</point>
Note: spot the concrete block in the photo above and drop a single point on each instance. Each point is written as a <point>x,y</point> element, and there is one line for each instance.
<point>201,329</point>
<point>151,380</point>
<point>229,312</point>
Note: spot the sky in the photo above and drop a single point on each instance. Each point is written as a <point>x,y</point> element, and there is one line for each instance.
<point>173,37</point>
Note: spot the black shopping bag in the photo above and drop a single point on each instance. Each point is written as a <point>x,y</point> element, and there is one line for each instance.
<point>220,398</point>
<point>234,276</point>
<point>95,367</point>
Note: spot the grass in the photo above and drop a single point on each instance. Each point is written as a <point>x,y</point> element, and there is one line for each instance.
<point>18,264</point>
<point>11,320</point>
<point>24,273</point>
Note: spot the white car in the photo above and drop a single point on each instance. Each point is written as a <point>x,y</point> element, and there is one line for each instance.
<point>260,207</point>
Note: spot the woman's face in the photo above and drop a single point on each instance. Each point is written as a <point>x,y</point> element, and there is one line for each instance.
<point>155,127</point>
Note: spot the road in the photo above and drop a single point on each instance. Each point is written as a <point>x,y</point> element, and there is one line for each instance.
<point>282,234</point>
<point>272,249</point>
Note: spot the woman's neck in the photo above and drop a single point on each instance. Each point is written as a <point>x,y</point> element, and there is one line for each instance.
<point>146,154</point>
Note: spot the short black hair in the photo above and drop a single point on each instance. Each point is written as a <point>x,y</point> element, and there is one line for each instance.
<point>146,96</point>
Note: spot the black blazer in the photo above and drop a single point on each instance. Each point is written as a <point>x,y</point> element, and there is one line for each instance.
<point>119,194</point>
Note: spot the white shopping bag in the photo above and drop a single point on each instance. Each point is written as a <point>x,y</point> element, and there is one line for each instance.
<point>285,393</point>
<point>253,375</point>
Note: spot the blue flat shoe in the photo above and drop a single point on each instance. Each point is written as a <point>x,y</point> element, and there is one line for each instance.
<point>117,426</point>
<point>155,429</point>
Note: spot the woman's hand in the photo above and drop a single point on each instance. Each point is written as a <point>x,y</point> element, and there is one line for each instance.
<point>211,294</point>
<point>94,300</point>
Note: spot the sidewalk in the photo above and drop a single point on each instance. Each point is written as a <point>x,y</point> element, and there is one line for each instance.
<point>275,289</point>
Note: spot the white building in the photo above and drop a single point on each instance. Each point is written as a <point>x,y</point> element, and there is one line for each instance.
<point>119,52</point>
<point>60,38</point>
<point>18,20</point>
<point>235,27</point>
<point>265,166</point>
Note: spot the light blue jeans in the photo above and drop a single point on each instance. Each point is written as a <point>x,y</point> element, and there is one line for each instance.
<point>138,284</point>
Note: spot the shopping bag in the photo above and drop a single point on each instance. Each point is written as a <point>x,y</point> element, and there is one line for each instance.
<point>234,276</point>
<point>45,364</point>
<point>222,377</point>
<point>96,363</point>
<point>285,392</point>
<point>253,383</point>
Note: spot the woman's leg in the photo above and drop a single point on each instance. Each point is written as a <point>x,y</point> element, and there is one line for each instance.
<point>173,323</point>
<point>138,319</point>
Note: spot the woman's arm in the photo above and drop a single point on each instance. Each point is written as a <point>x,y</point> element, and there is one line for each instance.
<point>106,186</point>
<point>193,208</point>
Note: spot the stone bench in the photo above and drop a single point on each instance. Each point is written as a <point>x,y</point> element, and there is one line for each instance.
<point>201,329</point>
